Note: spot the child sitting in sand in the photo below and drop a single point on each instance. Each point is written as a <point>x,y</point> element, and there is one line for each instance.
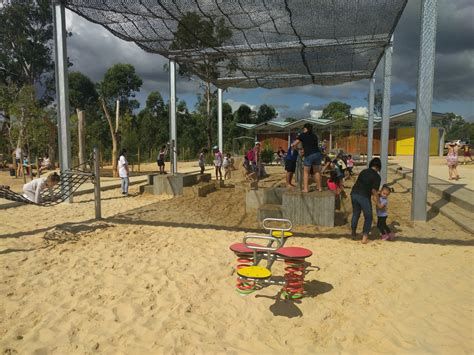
<point>381,203</point>
<point>32,190</point>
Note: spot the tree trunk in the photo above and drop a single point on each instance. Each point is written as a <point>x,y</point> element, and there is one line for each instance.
<point>81,136</point>
<point>53,135</point>
<point>114,135</point>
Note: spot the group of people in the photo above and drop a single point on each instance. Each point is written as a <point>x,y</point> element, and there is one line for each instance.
<point>23,163</point>
<point>220,161</point>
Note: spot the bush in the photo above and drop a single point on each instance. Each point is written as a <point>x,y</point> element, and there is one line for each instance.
<point>267,155</point>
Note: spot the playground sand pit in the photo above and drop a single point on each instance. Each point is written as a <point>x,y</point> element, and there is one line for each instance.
<point>155,276</point>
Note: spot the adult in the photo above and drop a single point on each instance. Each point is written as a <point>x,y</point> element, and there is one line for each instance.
<point>123,171</point>
<point>312,155</point>
<point>19,162</point>
<point>452,160</point>
<point>366,186</point>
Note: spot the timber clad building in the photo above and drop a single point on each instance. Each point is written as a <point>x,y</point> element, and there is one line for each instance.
<point>276,134</point>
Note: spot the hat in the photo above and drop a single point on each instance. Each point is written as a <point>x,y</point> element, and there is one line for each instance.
<point>257,143</point>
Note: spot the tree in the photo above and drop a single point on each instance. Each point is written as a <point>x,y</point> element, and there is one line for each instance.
<point>82,97</point>
<point>290,119</point>
<point>458,128</point>
<point>265,113</point>
<point>337,111</point>
<point>197,33</point>
<point>359,126</point>
<point>119,84</point>
<point>244,114</point>
<point>378,103</point>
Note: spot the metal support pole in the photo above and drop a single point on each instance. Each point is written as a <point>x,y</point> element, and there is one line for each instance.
<point>219,120</point>
<point>330,140</point>
<point>370,133</point>
<point>62,87</point>
<point>97,200</point>
<point>299,173</point>
<point>424,99</point>
<point>385,129</point>
<point>173,131</point>
<point>289,139</point>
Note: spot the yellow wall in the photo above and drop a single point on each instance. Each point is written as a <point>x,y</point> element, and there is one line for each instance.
<point>406,141</point>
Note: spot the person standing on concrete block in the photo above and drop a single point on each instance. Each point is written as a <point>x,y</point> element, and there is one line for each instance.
<point>366,186</point>
<point>312,156</point>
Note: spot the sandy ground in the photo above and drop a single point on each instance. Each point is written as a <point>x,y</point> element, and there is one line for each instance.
<point>439,169</point>
<point>155,276</point>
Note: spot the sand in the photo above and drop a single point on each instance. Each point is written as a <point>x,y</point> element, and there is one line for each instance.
<point>155,276</point>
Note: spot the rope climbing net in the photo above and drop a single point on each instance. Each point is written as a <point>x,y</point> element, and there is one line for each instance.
<point>256,43</point>
<point>70,181</point>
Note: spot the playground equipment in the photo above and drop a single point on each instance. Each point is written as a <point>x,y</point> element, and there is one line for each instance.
<point>252,276</point>
<point>70,181</point>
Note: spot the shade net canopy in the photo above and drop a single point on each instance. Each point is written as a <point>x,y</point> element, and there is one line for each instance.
<point>256,43</point>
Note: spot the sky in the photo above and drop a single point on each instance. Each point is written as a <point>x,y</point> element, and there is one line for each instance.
<point>92,50</point>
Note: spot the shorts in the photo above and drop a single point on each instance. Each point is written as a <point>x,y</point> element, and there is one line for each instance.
<point>18,161</point>
<point>160,162</point>
<point>467,154</point>
<point>290,166</point>
<point>313,159</point>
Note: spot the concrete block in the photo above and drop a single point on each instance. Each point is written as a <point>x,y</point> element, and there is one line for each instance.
<point>150,178</point>
<point>204,177</point>
<point>273,196</point>
<point>146,189</point>
<point>204,189</point>
<point>168,185</point>
<point>253,200</point>
<point>316,208</point>
<point>269,211</point>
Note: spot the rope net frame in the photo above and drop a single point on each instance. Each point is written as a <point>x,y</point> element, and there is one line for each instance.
<point>256,43</point>
<point>70,181</point>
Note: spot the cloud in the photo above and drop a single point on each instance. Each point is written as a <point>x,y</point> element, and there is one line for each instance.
<point>360,111</point>
<point>236,104</point>
<point>316,113</point>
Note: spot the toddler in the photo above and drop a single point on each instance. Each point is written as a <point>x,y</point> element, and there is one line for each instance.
<point>386,233</point>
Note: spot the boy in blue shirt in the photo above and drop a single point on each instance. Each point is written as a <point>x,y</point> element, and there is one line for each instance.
<point>290,165</point>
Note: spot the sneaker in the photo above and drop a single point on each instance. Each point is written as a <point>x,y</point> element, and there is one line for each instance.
<point>385,237</point>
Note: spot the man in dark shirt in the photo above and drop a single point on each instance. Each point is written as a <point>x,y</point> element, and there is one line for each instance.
<point>366,186</point>
<point>312,155</point>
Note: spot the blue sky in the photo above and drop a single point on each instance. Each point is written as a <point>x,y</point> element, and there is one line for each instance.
<point>92,50</point>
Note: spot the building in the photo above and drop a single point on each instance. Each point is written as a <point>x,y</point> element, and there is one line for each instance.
<point>341,135</point>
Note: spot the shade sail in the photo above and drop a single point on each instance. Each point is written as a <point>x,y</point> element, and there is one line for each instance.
<point>256,43</point>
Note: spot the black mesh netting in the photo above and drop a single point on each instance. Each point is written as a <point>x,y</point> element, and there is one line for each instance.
<point>266,43</point>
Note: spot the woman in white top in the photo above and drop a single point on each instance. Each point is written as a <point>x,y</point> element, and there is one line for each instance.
<point>123,171</point>
<point>32,190</point>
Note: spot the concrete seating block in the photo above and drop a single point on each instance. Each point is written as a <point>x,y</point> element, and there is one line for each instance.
<point>269,211</point>
<point>204,189</point>
<point>313,208</point>
<point>168,185</point>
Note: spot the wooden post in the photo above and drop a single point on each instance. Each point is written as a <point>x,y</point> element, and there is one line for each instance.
<point>138,158</point>
<point>81,136</point>
<point>14,163</point>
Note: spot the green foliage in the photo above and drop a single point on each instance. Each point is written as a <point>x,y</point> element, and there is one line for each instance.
<point>265,113</point>
<point>290,119</point>
<point>82,92</point>
<point>336,110</point>
<point>267,155</point>
<point>458,128</point>
<point>120,82</point>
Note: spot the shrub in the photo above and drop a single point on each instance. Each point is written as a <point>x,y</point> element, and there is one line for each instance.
<point>267,155</point>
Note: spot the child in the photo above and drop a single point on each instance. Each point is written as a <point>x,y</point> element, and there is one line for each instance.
<point>123,171</point>
<point>334,184</point>
<point>32,190</point>
<point>290,165</point>
<point>227,165</point>
<point>161,158</point>
<point>218,162</point>
<point>45,164</point>
<point>350,165</point>
<point>248,172</point>
<point>202,160</point>
<point>381,209</point>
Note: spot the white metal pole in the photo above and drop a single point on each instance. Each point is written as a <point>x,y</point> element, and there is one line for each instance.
<point>219,120</point>
<point>370,132</point>
<point>97,200</point>
<point>441,143</point>
<point>424,99</point>
<point>385,129</point>
<point>62,87</point>
<point>173,131</point>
